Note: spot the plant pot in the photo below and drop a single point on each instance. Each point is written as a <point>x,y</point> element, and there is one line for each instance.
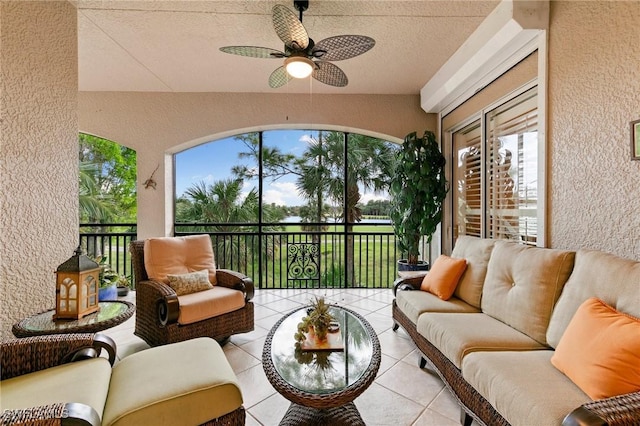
<point>107,293</point>
<point>123,291</point>
<point>403,265</point>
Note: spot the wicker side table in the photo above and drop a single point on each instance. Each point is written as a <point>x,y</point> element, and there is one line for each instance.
<point>110,314</point>
<point>322,385</point>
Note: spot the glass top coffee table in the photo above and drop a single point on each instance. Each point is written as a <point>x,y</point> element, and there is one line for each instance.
<point>110,314</point>
<point>322,384</point>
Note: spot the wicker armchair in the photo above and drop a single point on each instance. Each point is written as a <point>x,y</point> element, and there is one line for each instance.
<point>158,307</point>
<point>28,355</point>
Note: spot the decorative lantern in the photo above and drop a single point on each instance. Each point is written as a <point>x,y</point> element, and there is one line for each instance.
<point>77,282</point>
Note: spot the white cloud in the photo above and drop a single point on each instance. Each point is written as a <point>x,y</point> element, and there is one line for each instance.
<point>208,179</point>
<point>306,138</point>
<point>282,194</point>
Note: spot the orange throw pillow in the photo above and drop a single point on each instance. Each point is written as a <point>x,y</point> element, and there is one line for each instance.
<point>178,255</point>
<point>600,350</point>
<point>443,276</point>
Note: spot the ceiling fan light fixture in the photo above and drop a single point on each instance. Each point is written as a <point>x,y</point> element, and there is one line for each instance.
<point>299,66</point>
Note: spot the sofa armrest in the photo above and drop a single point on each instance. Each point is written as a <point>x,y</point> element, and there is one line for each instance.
<point>71,414</point>
<point>31,354</point>
<point>236,280</point>
<point>412,283</point>
<point>617,410</point>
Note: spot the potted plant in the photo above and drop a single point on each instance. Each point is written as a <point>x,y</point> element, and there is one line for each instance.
<point>123,285</point>
<point>418,189</point>
<point>316,323</point>
<point>108,280</point>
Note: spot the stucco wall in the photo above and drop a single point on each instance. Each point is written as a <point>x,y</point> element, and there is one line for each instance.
<point>159,124</point>
<point>39,151</point>
<point>594,92</point>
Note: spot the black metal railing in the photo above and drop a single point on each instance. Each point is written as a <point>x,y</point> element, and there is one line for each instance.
<point>111,240</point>
<point>337,256</point>
<point>334,256</point>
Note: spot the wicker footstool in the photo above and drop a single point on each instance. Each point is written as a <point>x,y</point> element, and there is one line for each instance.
<point>322,385</point>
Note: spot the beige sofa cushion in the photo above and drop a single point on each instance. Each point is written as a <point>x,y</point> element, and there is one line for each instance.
<point>196,384</point>
<point>413,303</point>
<point>477,252</point>
<point>85,382</point>
<point>523,386</point>
<point>612,279</point>
<point>178,255</point>
<point>457,335</point>
<point>523,284</point>
<point>205,304</point>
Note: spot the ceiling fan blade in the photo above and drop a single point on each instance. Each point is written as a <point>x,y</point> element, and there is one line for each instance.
<point>253,51</point>
<point>289,28</point>
<point>330,74</point>
<point>342,47</point>
<point>279,78</point>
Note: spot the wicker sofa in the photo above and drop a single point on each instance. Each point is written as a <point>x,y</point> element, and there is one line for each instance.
<point>492,342</point>
<point>158,307</point>
<point>62,380</point>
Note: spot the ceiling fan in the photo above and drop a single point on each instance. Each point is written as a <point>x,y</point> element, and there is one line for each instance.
<point>302,56</point>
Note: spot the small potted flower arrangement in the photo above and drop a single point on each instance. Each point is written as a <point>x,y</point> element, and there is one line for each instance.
<point>317,323</point>
<point>110,280</point>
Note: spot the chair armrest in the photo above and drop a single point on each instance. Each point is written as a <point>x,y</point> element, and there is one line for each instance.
<point>31,354</point>
<point>412,283</point>
<point>237,281</point>
<point>617,410</point>
<point>158,300</point>
<point>71,414</point>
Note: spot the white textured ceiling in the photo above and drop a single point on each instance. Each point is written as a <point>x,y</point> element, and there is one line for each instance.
<point>173,46</point>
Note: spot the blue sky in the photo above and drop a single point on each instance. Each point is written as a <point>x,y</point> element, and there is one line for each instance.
<point>212,161</point>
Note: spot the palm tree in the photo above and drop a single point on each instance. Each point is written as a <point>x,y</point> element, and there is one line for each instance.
<point>369,162</point>
<point>219,204</point>
<point>94,206</point>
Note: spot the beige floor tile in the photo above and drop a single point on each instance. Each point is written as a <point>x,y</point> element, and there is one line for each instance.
<point>368,304</point>
<point>394,345</point>
<point>411,382</point>
<point>283,305</point>
<point>446,405</point>
<point>239,359</point>
<point>271,410</point>
<point>254,385</point>
<point>432,418</point>
<point>379,406</point>
<point>254,348</point>
<point>242,338</point>
<point>251,421</point>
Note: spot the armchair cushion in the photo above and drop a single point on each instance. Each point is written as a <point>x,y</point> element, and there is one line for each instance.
<point>190,283</point>
<point>85,382</point>
<point>211,303</point>
<point>178,255</point>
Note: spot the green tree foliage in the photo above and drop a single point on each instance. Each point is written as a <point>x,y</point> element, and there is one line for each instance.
<point>107,181</point>
<point>320,169</point>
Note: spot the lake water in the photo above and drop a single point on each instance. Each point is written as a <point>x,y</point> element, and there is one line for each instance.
<point>297,219</point>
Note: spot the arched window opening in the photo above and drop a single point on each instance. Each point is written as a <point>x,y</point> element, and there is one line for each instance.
<point>292,208</point>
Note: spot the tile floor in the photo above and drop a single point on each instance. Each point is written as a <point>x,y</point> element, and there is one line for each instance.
<point>402,393</point>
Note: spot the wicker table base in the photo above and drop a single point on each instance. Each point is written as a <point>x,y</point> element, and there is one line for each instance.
<point>345,415</point>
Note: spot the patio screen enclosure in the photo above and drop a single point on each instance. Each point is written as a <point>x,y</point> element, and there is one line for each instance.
<point>292,208</point>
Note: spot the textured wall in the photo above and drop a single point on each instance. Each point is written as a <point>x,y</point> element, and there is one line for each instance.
<point>157,124</point>
<point>594,92</point>
<point>38,153</point>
